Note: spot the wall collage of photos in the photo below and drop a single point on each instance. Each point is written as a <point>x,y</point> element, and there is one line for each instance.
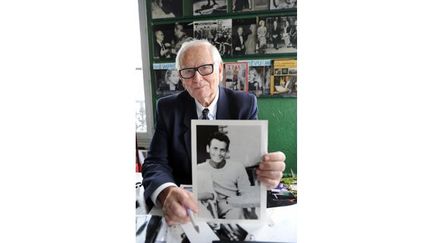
<point>257,40</point>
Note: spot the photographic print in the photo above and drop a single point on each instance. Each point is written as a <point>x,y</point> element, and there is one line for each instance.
<point>209,7</point>
<point>217,32</point>
<point>284,79</point>
<point>283,4</point>
<point>167,79</point>
<point>235,76</point>
<point>259,76</point>
<point>166,8</point>
<point>224,169</point>
<point>244,36</point>
<point>249,5</point>
<point>168,39</point>
<point>277,34</point>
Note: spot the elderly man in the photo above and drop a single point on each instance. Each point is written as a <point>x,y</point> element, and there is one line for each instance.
<point>168,163</point>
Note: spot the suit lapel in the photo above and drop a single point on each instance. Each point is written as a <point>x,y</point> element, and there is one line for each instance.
<point>189,114</point>
<point>223,108</point>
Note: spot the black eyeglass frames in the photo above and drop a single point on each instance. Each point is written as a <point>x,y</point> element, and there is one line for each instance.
<point>204,70</point>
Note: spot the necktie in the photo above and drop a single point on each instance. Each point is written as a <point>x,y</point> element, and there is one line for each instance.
<point>205,114</point>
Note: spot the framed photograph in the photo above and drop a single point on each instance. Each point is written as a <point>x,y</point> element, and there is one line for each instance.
<point>283,4</point>
<point>163,42</point>
<point>284,79</point>
<point>277,34</point>
<point>244,36</point>
<point>249,5</point>
<point>236,76</point>
<point>209,7</point>
<point>217,32</point>
<point>224,169</point>
<point>259,76</point>
<point>166,9</point>
<point>167,79</point>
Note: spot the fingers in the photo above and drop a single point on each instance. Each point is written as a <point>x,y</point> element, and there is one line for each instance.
<point>274,156</point>
<point>272,165</point>
<point>175,204</point>
<point>271,169</point>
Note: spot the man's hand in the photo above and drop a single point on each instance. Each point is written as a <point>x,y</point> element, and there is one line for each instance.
<point>174,202</point>
<point>271,168</point>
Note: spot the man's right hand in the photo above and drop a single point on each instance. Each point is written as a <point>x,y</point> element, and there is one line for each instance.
<point>174,202</point>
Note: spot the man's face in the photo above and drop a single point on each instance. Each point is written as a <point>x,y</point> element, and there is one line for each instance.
<point>202,88</point>
<point>240,31</point>
<point>217,150</point>
<point>159,35</point>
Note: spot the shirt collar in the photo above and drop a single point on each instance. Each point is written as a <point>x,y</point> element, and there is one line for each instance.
<point>212,107</point>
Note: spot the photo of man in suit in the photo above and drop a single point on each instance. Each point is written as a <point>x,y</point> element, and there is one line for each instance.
<point>238,42</point>
<point>168,163</point>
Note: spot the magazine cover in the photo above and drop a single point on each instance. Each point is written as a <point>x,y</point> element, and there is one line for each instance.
<point>166,9</point>
<point>277,34</point>
<point>217,32</point>
<point>249,5</point>
<point>167,79</point>
<point>244,36</point>
<point>209,7</point>
<point>259,76</point>
<point>284,79</point>
<point>236,76</point>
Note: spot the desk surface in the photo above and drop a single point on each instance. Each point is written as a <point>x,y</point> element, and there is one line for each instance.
<point>281,226</point>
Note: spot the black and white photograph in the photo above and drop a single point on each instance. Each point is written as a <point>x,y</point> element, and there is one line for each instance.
<point>235,76</point>
<point>166,8</point>
<point>249,5</point>
<point>280,33</point>
<point>283,4</point>
<point>167,79</point>
<point>259,76</point>
<point>209,7</point>
<point>224,169</point>
<point>217,32</point>
<point>244,36</point>
<point>168,39</point>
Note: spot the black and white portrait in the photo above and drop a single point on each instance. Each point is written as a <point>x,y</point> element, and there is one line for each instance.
<point>283,4</point>
<point>163,41</point>
<point>277,34</point>
<point>224,168</point>
<point>209,7</point>
<point>166,8</point>
<point>217,32</point>
<point>167,79</point>
<point>244,36</point>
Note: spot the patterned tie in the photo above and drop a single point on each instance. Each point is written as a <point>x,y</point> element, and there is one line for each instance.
<point>205,114</point>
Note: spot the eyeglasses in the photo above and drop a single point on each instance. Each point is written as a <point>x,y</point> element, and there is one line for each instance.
<point>204,70</point>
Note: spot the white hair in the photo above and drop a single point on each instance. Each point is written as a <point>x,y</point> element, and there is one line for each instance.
<point>216,57</point>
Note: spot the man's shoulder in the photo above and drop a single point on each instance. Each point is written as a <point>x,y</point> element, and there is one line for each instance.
<point>237,95</point>
<point>172,100</point>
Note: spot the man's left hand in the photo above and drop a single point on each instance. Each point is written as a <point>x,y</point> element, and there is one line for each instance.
<point>271,168</point>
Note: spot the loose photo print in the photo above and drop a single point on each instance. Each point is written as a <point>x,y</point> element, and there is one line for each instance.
<point>249,5</point>
<point>259,76</point>
<point>168,39</point>
<point>244,36</point>
<point>284,79</point>
<point>209,7</point>
<point>235,76</point>
<point>217,32</point>
<point>167,79</point>
<point>224,169</point>
<point>283,4</point>
<point>277,34</point>
<point>166,9</point>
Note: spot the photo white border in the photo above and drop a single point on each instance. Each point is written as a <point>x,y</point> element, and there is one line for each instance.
<point>263,124</point>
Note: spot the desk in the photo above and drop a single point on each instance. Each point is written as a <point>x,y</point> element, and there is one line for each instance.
<point>281,226</point>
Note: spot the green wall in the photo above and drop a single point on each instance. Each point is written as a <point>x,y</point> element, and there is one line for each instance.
<point>281,114</point>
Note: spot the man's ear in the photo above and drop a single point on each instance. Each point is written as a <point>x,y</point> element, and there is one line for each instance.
<point>207,149</point>
<point>220,72</point>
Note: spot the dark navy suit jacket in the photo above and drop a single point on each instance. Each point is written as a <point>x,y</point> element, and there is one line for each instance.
<point>169,156</point>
